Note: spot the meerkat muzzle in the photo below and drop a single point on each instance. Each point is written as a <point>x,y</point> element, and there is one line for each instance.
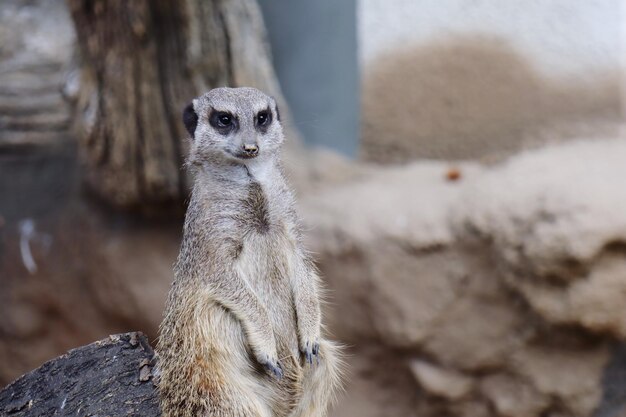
<point>250,149</point>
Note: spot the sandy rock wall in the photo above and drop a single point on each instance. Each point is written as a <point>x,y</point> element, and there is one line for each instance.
<point>500,290</point>
<point>475,97</point>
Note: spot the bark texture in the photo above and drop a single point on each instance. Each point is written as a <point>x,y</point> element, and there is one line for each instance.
<point>33,57</point>
<point>141,62</point>
<point>111,377</point>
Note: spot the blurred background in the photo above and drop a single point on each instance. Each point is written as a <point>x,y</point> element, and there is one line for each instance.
<point>460,167</point>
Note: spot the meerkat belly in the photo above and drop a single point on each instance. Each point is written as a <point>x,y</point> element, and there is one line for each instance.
<point>266,263</point>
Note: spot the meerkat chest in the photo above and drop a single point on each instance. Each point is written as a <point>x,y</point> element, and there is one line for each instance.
<point>268,246</point>
<point>267,262</point>
<point>268,252</point>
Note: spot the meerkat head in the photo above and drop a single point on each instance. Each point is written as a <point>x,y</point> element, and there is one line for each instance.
<point>233,124</point>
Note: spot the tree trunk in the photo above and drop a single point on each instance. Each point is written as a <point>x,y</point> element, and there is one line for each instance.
<point>111,377</point>
<point>141,61</point>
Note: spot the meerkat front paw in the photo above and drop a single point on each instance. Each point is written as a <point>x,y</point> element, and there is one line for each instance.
<point>275,369</point>
<point>271,365</point>
<point>311,350</point>
<point>265,353</point>
<point>309,341</point>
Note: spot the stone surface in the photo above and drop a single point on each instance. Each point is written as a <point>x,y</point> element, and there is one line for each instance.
<point>555,221</point>
<point>441,382</point>
<point>570,375</point>
<point>109,377</point>
<point>509,275</point>
<point>511,396</point>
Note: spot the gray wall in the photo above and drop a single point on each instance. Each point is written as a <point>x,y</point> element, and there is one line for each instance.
<point>314,46</point>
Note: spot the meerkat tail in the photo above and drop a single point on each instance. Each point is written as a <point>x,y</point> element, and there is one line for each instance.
<point>323,384</point>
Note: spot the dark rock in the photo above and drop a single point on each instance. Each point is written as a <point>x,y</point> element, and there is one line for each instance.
<point>110,377</point>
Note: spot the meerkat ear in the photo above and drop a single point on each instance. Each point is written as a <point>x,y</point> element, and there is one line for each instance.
<point>276,109</point>
<point>190,119</point>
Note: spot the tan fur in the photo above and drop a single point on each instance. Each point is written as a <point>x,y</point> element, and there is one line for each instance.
<point>246,299</point>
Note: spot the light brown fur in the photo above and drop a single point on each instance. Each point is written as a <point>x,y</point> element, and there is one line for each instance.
<point>245,303</point>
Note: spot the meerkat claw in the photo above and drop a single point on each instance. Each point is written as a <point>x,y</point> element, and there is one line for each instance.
<point>310,351</point>
<point>316,351</point>
<point>275,369</point>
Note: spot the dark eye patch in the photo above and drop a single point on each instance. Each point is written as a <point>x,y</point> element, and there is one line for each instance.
<point>263,119</point>
<point>222,121</point>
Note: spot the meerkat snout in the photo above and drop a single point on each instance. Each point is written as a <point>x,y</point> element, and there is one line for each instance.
<point>251,149</point>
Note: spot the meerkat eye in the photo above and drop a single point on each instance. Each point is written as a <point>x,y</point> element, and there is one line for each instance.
<point>224,119</point>
<point>263,118</point>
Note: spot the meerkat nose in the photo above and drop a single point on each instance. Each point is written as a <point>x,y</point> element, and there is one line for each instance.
<point>250,149</point>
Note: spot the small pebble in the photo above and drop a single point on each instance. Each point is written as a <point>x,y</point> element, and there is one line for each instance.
<point>453,174</point>
<point>145,374</point>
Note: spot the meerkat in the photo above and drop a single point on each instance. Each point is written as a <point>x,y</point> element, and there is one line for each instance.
<point>242,333</point>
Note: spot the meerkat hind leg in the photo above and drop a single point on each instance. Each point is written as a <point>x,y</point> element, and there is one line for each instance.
<point>230,385</point>
<point>239,384</point>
